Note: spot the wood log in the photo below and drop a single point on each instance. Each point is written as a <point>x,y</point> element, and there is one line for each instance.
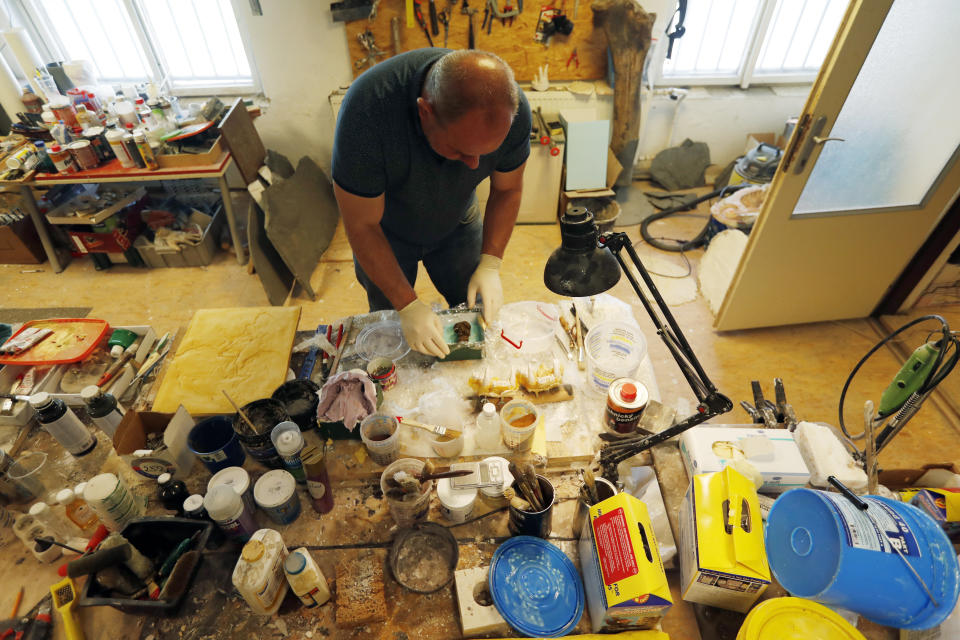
<point>628,29</point>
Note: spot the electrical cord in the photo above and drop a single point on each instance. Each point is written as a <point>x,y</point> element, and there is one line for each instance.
<point>942,365</point>
<point>683,255</point>
<point>699,239</point>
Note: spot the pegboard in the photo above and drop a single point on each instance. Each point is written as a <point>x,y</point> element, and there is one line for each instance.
<point>514,43</point>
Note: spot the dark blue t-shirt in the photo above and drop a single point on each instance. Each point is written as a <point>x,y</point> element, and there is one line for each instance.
<point>379,148</point>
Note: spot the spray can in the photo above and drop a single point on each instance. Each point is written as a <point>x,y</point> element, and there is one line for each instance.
<point>288,441</point>
<point>63,424</point>
<point>102,408</point>
<point>145,151</point>
<point>318,480</point>
<point>115,138</point>
<point>131,147</point>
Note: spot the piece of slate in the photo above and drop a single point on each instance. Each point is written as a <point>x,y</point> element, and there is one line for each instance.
<point>276,278</point>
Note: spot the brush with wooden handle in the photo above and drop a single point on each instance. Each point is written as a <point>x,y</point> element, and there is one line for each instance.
<point>445,433</point>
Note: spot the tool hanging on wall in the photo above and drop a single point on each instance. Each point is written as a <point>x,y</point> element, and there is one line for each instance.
<point>395,42</point>
<point>471,18</point>
<point>369,45</point>
<point>552,22</point>
<point>418,15</point>
<point>434,24</point>
<point>574,58</point>
<point>495,12</point>
<point>444,18</point>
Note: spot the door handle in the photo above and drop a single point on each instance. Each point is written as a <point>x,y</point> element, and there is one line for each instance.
<point>819,140</point>
<point>813,138</point>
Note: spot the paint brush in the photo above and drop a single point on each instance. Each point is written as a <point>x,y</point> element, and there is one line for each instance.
<point>531,477</point>
<point>443,432</point>
<point>240,412</point>
<point>341,345</point>
<point>591,484</point>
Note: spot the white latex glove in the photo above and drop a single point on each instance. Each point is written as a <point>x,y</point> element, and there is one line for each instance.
<point>486,281</point>
<point>423,330</point>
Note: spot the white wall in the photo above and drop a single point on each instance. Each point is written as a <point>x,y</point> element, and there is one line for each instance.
<point>301,55</point>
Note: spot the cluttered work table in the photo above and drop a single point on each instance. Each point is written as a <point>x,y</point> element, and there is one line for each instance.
<point>402,557</point>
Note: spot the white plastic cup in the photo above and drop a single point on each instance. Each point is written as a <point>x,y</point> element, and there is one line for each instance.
<point>383,450</point>
<point>614,350</point>
<point>447,448</point>
<point>404,512</point>
<point>519,438</point>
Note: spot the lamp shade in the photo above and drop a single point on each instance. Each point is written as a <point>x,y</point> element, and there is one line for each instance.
<point>579,267</point>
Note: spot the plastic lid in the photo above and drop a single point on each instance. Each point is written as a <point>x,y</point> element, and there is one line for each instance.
<point>192,503</point>
<point>78,490</point>
<point>65,496</point>
<point>295,563</point>
<point>222,502</point>
<point>54,147</point>
<point>287,438</point>
<point>628,392</point>
<point>100,487</point>
<point>252,551</point>
<point>164,478</point>
<point>90,392</point>
<point>795,619</point>
<point>234,477</point>
<point>497,490</point>
<point>37,400</point>
<point>39,508</point>
<point>454,498</point>
<point>535,587</point>
<point>129,125</point>
<point>274,488</point>
<point>382,339</point>
<point>489,409</point>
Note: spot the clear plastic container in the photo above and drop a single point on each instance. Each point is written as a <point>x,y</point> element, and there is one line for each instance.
<point>406,512</point>
<point>518,437</point>
<point>487,434</point>
<point>614,350</point>
<point>448,448</point>
<point>305,578</point>
<point>381,435</point>
<point>258,574</point>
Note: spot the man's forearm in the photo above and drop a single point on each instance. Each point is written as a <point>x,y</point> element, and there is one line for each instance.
<point>498,220</point>
<point>376,257</point>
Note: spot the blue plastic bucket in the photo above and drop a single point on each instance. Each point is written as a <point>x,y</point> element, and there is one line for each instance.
<point>821,547</point>
<point>215,443</point>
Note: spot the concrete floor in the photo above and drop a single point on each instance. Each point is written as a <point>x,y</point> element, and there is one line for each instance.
<point>812,359</point>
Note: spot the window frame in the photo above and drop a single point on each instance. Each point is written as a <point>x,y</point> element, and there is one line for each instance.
<point>747,75</point>
<point>49,46</point>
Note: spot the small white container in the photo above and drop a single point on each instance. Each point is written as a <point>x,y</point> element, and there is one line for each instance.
<point>259,575</point>
<point>383,450</point>
<point>113,503</point>
<point>493,495</point>
<point>456,505</point>
<point>487,435</point>
<point>236,478</point>
<point>276,493</point>
<point>306,580</point>
<point>227,509</point>
<point>519,438</point>
<point>447,448</point>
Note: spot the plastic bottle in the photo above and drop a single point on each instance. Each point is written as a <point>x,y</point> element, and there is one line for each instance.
<point>125,111</point>
<point>63,424</point>
<point>171,493</point>
<point>77,510</point>
<point>145,151</point>
<point>143,111</point>
<point>305,578</point>
<point>52,521</point>
<point>46,164</point>
<point>487,435</point>
<point>227,509</point>
<point>258,575</point>
<point>131,145</point>
<point>102,409</point>
<point>84,118</point>
<point>318,481</point>
<point>288,441</point>
<point>193,509</point>
<point>60,133</point>
<point>115,138</point>
<point>61,159</point>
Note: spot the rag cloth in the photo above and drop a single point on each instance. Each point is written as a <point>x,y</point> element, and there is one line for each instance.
<point>349,397</point>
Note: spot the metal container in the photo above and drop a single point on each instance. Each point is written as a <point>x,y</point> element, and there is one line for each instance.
<point>626,400</point>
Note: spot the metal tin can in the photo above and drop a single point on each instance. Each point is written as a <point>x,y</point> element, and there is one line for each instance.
<point>98,140</point>
<point>383,371</point>
<point>84,155</point>
<point>276,493</point>
<point>626,400</point>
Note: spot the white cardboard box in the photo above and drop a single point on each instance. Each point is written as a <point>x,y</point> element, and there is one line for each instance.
<point>706,449</point>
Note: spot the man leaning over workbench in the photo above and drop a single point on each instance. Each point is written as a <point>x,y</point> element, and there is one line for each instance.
<point>415,136</point>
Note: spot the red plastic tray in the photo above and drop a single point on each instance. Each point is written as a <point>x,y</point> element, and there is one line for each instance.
<point>73,339</point>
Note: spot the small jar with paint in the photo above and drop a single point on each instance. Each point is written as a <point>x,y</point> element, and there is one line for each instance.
<point>276,493</point>
<point>227,509</point>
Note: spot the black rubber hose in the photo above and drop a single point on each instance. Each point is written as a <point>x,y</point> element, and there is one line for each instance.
<point>699,239</point>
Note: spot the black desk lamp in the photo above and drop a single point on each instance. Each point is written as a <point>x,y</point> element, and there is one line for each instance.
<point>588,263</point>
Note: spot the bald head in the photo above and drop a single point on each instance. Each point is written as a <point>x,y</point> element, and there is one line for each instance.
<point>467,79</point>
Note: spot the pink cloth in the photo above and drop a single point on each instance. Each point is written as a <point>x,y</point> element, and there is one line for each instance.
<point>349,397</point>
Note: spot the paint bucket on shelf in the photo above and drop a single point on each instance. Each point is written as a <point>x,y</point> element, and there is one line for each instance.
<point>265,414</point>
<point>381,435</point>
<point>300,400</point>
<point>823,548</point>
<point>276,493</point>
<point>614,350</point>
<point>216,444</point>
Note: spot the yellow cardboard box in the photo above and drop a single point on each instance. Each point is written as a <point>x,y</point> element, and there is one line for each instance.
<point>723,561</point>
<point>625,584</point>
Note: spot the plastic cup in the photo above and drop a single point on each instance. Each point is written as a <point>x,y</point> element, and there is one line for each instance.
<point>614,350</point>
<point>381,435</point>
<point>216,444</point>
<point>534,523</point>
<point>447,448</point>
<point>406,512</point>
<point>519,438</point>
<point>28,475</point>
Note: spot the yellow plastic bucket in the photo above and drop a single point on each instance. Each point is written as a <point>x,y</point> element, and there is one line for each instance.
<point>795,619</point>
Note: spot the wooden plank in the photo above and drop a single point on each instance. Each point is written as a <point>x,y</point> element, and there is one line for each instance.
<point>514,43</point>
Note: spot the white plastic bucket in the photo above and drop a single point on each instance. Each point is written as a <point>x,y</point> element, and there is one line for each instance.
<point>614,350</point>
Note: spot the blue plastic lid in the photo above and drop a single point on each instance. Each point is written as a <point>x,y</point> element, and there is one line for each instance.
<point>535,587</point>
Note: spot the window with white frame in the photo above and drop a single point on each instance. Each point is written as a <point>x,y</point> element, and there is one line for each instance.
<point>744,42</point>
<point>194,46</point>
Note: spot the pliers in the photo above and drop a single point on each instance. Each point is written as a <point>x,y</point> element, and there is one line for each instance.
<point>574,57</point>
<point>770,414</point>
